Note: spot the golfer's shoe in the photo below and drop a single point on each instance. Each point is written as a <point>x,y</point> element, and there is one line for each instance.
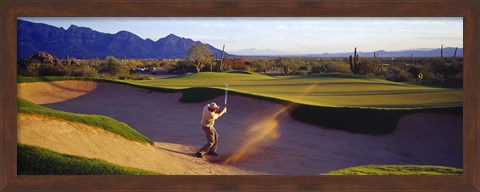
<point>212,153</point>
<point>199,155</point>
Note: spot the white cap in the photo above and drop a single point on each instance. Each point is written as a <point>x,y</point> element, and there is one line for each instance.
<point>213,105</point>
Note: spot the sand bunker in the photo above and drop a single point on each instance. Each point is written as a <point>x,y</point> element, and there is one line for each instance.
<point>87,141</point>
<point>54,92</point>
<point>300,149</point>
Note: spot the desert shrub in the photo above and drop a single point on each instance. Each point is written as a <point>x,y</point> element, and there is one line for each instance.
<point>397,74</point>
<point>31,70</point>
<point>134,63</point>
<point>115,68</point>
<point>337,67</point>
<point>184,67</point>
<point>288,66</point>
<point>261,65</point>
<point>301,73</point>
<point>414,70</point>
<point>333,66</point>
<point>84,71</point>
<point>48,69</point>
<point>371,68</point>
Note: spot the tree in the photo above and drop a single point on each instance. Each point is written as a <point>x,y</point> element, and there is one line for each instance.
<point>288,65</point>
<point>199,56</point>
<point>262,65</point>
<point>114,67</point>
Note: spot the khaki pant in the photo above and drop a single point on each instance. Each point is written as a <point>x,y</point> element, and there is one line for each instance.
<point>212,138</point>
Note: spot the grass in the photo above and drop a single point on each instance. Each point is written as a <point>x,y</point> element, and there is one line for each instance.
<point>240,71</point>
<point>360,120</point>
<point>340,101</point>
<point>33,160</point>
<point>334,90</point>
<point>103,122</point>
<point>397,170</point>
<point>21,79</point>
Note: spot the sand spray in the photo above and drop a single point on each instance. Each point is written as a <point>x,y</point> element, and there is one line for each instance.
<point>261,134</point>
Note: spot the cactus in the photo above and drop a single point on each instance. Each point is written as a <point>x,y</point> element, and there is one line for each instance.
<point>68,60</point>
<point>454,55</point>
<point>441,53</point>
<point>221,62</point>
<point>354,62</point>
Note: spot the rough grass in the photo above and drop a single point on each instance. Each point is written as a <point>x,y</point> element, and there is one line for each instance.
<point>107,123</point>
<point>33,160</point>
<point>397,170</point>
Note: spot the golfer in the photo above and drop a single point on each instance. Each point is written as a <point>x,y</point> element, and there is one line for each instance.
<point>209,114</point>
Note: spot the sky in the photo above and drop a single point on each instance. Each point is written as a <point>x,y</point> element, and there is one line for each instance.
<point>285,35</point>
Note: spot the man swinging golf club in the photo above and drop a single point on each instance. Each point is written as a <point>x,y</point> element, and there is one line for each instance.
<point>209,115</point>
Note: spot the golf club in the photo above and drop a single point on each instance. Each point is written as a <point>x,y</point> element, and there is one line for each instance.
<point>226,94</point>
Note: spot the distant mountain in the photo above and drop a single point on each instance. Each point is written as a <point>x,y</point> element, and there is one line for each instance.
<point>256,52</point>
<point>82,42</point>
<point>418,52</point>
<point>422,52</point>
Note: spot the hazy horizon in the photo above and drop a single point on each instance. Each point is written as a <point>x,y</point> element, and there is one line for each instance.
<point>285,35</point>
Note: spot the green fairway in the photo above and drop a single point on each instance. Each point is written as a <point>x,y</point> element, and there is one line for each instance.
<point>336,90</point>
<point>397,170</point>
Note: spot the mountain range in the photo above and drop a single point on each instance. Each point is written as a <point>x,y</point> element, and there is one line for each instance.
<point>82,42</point>
<point>254,51</point>
<point>424,52</point>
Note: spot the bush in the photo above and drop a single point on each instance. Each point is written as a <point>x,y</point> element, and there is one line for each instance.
<point>32,69</point>
<point>331,67</point>
<point>183,67</point>
<point>301,73</point>
<point>115,68</point>
<point>84,71</point>
<point>371,68</point>
<point>397,74</point>
<point>52,70</point>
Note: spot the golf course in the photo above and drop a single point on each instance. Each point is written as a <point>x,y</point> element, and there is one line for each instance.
<point>275,125</point>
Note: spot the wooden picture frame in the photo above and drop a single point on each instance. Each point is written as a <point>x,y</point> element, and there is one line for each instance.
<point>469,10</point>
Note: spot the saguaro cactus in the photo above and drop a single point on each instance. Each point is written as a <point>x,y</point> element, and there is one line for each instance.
<point>441,53</point>
<point>454,55</point>
<point>221,61</point>
<point>354,62</point>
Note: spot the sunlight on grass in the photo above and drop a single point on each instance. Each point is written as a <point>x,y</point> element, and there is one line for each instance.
<point>34,160</point>
<point>397,170</point>
<point>330,90</point>
<point>99,121</point>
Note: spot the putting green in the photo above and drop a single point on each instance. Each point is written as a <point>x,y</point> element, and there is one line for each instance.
<point>329,90</point>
